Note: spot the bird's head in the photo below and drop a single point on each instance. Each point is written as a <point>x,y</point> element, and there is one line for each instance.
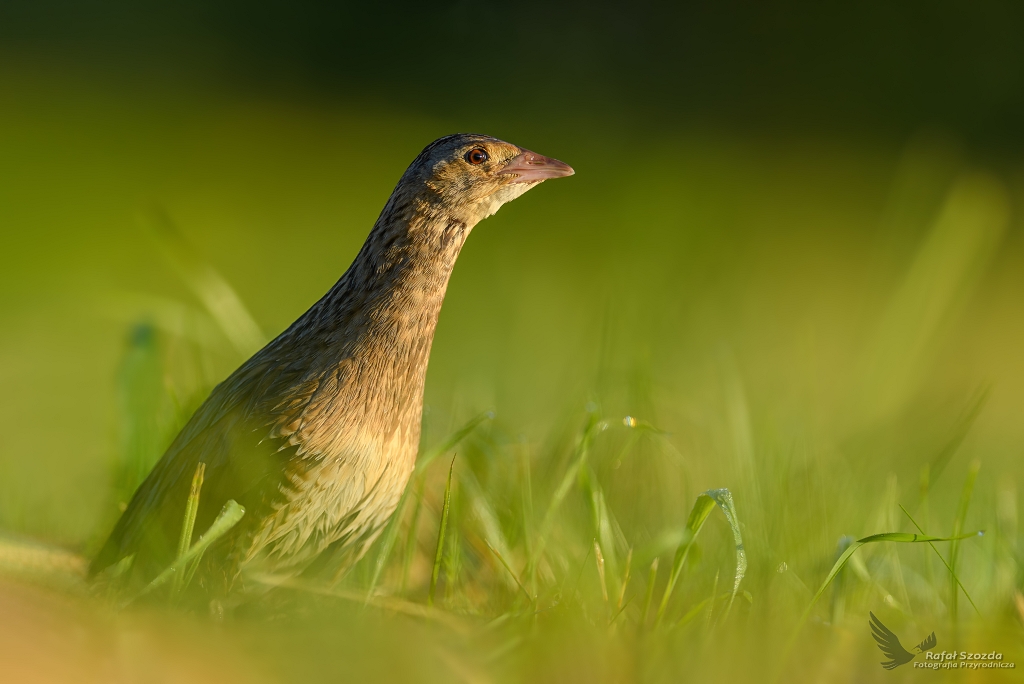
<point>470,176</point>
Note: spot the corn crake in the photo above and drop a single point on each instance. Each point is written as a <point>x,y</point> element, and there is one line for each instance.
<point>316,434</point>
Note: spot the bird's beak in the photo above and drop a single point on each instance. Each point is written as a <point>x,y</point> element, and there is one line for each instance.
<point>530,167</point>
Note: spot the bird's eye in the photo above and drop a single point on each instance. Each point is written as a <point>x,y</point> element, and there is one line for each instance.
<point>477,155</point>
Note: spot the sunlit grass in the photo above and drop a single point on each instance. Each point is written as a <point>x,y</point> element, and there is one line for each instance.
<point>690,418</point>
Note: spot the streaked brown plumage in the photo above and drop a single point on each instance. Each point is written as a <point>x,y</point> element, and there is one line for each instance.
<point>317,433</point>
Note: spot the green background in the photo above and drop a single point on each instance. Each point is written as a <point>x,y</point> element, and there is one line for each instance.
<point>794,239</point>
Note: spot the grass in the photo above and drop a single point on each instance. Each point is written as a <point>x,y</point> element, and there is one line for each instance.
<point>439,554</point>
<point>481,602</point>
<point>746,393</point>
<point>184,566</point>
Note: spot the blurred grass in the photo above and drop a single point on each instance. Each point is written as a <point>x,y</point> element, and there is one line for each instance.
<point>829,329</point>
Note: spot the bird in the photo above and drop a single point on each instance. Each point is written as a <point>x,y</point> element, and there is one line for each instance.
<point>316,435</point>
<point>890,644</point>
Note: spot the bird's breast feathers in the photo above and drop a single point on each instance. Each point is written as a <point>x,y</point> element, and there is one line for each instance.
<point>350,489</point>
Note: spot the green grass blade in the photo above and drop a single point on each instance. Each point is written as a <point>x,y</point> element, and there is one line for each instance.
<point>838,608</point>
<point>571,474</point>
<point>899,537</point>
<point>526,498</point>
<point>652,577</point>
<point>412,538</point>
<point>190,570</point>
<point>621,609</point>
<point>390,536</point>
<point>702,507</point>
<point>625,580</point>
<point>599,560</point>
<point>484,511</point>
<point>387,543</point>
<point>711,604</point>
<point>512,574</point>
<point>958,526</point>
<point>583,565</point>
<point>924,511</point>
<point>451,561</point>
<point>439,553</point>
<point>601,520</point>
<point>723,497</point>
<point>699,607</point>
<point>951,573</point>
<point>694,612</point>
<point>228,518</point>
<point>187,525</point>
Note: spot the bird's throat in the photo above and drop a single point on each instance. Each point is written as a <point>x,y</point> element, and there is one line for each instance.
<point>383,311</point>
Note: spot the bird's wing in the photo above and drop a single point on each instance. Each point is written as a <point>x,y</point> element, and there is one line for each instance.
<point>889,644</point>
<point>928,644</point>
<point>244,461</point>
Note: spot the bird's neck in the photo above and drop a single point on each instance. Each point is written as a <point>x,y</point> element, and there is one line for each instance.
<point>383,311</point>
<point>402,270</point>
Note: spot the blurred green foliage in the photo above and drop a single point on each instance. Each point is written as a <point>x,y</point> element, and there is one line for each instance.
<point>799,65</point>
<point>820,314</point>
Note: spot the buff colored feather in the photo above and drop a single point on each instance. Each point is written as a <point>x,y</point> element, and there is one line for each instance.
<point>317,433</point>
